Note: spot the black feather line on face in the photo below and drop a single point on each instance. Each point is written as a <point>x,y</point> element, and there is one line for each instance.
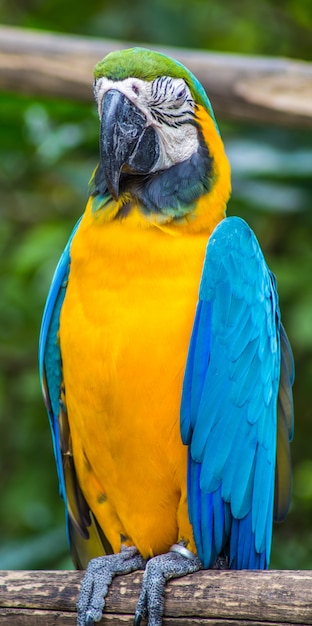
<point>169,106</point>
<point>172,119</point>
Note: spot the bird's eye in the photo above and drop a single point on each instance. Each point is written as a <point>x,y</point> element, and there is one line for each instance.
<point>181,93</point>
<point>135,89</point>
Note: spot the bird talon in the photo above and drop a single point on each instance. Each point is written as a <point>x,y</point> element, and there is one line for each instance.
<point>89,620</point>
<point>137,619</point>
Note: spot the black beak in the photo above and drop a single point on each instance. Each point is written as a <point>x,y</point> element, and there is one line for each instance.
<point>126,143</point>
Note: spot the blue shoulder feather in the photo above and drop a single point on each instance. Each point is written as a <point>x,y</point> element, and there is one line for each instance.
<point>229,402</point>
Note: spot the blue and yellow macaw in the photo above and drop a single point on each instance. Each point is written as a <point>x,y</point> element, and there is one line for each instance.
<point>171,412</point>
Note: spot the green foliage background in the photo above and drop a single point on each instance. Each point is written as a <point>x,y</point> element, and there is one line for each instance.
<point>48,150</point>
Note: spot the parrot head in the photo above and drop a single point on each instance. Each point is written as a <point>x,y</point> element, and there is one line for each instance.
<point>160,147</point>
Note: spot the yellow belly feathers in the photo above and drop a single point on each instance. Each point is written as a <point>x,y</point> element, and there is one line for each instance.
<point>125,329</point>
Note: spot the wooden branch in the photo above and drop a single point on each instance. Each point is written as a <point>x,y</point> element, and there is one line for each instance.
<point>261,89</point>
<point>207,598</point>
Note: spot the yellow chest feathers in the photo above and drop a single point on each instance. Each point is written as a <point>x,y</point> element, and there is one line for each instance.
<point>125,329</point>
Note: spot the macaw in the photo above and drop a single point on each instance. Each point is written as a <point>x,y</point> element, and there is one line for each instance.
<point>165,368</point>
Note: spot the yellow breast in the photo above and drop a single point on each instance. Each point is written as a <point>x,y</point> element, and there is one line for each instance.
<point>125,329</point>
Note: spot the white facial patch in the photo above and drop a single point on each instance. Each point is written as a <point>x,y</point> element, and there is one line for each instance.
<point>168,106</point>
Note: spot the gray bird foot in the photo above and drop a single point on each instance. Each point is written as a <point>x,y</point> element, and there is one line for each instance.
<point>99,575</point>
<point>178,562</point>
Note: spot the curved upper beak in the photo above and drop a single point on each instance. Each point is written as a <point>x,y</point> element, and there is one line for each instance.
<point>126,142</point>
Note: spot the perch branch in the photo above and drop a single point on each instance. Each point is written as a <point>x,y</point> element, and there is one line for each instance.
<point>207,598</point>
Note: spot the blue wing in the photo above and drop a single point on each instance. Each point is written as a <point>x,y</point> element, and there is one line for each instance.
<point>50,364</point>
<point>239,357</point>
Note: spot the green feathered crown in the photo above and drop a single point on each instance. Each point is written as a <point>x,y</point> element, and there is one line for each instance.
<point>148,65</point>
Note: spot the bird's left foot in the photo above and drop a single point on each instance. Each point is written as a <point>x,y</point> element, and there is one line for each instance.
<point>178,562</point>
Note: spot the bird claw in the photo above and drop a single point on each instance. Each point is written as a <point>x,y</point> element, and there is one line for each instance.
<point>158,570</point>
<point>99,574</point>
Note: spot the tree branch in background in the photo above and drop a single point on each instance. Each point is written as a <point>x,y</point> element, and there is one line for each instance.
<point>248,88</point>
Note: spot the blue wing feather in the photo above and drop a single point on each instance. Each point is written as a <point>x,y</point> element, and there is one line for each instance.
<point>230,398</point>
<point>196,367</point>
<point>194,503</point>
<point>49,354</point>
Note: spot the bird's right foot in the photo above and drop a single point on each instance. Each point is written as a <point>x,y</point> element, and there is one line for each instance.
<point>99,575</point>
